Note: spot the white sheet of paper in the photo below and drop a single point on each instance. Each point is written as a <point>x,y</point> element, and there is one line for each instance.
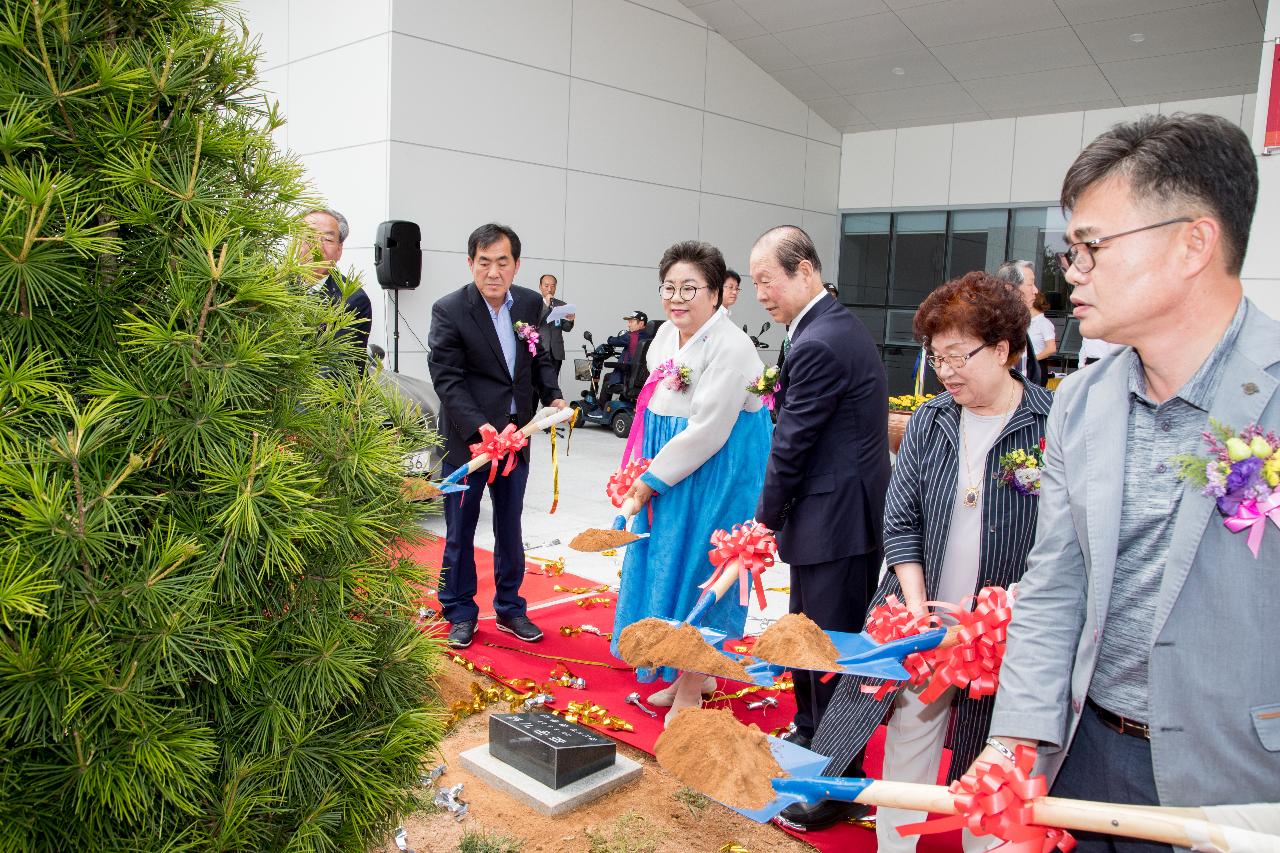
<point>560,312</point>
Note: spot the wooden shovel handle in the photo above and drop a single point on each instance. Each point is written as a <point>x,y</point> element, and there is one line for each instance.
<point>1177,826</point>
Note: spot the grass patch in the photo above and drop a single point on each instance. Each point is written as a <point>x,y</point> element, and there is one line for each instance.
<point>484,841</point>
<point>691,800</point>
<point>629,833</point>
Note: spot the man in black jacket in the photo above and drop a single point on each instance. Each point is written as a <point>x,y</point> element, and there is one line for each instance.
<point>828,467</point>
<point>330,233</point>
<point>487,373</point>
<point>550,331</point>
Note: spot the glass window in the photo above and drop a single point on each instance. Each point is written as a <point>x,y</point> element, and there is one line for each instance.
<point>873,319</point>
<point>1037,236</point>
<point>864,259</point>
<point>978,239</point>
<point>919,256</point>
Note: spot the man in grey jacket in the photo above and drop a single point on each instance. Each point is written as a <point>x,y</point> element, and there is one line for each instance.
<point>1137,661</point>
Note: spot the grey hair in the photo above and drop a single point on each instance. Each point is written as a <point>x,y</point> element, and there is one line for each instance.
<point>791,246</point>
<point>1012,271</point>
<point>343,228</point>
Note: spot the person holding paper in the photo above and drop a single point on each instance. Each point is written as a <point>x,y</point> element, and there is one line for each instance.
<point>551,329</point>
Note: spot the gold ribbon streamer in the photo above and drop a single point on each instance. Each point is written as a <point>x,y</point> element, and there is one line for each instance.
<point>731,847</point>
<point>571,630</point>
<point>588,603</point>
<point>560,658</point>
<point>591,714</point>
<point>550,568</point>
<point>555,461</point>
<point>581,590</point>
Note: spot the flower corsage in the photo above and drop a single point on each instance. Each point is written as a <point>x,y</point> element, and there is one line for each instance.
<point>766,385</point>
<point>529,334</point>
<point>674,376</point>
<point>1020,470</point>
<point>1242,474</point>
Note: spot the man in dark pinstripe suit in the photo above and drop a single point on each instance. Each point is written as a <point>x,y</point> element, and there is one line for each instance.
<point>829,464</point>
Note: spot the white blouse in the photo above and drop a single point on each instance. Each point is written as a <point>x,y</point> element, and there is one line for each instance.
<point>1041,331</point>
<point>723,362</point>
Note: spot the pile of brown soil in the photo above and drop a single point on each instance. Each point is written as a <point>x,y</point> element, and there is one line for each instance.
<point>795,641</point>
<point>594,539</point>
<point>419,489</point>
<point>710,751</point>
<point>653,642</point>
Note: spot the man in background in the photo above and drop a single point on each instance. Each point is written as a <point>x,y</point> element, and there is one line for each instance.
<point>329,229</point>
<point>732,288</point>
<point>551,332</point>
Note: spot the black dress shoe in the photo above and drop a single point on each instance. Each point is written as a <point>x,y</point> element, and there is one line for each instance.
<point>797,738</point>
<point>802,817</point>
<point>520,627</point>
<point>461,634</point>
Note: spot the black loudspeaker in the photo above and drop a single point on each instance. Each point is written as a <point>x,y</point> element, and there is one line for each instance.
<point>397,255</point>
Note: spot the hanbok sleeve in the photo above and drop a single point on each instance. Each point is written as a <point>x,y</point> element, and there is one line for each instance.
<point>718,398</point>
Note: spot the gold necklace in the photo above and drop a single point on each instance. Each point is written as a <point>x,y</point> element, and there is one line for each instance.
<point>970,500</point>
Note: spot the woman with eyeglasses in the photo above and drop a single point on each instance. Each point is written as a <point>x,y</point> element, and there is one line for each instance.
<point>708,439</point>
<point>951,526</point>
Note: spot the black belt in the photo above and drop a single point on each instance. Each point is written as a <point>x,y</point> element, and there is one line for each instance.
<point>1117,723</point>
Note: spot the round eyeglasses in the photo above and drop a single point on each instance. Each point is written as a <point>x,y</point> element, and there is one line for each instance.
<point>686,291</point>
<point>1080,255</point>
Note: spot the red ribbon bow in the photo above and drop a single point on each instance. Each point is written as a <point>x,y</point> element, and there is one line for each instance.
<point>621,481</point>
<point>974,662</point>
<point>753,545</point>
<point>995,800</point>
<point>497,445</point>
<point>893,621</point>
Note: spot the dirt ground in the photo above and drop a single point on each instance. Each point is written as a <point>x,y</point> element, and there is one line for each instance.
<point>655,814</point>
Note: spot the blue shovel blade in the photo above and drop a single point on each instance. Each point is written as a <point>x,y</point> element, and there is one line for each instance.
<point>803,784</point>
<point>449,488</point>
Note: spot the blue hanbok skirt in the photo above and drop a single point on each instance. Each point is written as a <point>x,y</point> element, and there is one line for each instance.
<point>661,574</point>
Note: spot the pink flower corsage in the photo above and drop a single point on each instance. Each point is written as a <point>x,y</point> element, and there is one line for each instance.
<point>766,386</point>
<point>529,334</point>
<point>1242,474</point>
<point>676,377</point>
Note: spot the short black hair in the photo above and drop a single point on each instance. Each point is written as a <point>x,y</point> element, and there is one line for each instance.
<point>705,257</point>
<point>486,235</point>
<point>1196,160</point>
<point>792,245</point>
<point>730,274</point>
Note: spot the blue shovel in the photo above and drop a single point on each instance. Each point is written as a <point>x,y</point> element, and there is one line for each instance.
<point>541,421</point>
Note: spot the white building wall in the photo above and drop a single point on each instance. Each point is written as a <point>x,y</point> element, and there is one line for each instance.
<point>1261,273</point>
<point>1021,161</point>
<point>602,131</point>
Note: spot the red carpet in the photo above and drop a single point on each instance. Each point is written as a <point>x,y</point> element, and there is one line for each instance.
<point>609,680</point>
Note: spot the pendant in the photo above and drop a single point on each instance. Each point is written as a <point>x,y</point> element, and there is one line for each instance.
<point>971,497</point>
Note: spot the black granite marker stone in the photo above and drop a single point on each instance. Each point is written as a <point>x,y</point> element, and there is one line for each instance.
<point>547,748</point>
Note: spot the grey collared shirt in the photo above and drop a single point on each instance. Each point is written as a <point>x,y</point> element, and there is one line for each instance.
<point>506,330</point>
<point>1148,508</point>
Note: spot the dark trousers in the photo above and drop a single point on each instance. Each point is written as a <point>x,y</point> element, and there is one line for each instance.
<point>461,513</point>
<point>1105,765</point>
<point>835,596</point>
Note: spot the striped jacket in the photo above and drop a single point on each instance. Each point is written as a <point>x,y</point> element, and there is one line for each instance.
<point>917,518</point>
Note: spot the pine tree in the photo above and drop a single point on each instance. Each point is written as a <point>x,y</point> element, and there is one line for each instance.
<point>205,643</point>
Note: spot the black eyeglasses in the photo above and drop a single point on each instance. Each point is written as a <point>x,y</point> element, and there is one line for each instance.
<point>955,362</point>
<point>686,291</point>
<point>1080,255</point>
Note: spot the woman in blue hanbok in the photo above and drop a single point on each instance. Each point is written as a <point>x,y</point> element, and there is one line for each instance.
<point>708,439</point>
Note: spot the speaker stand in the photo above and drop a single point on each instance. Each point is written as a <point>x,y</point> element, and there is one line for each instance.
<point>395,335</point>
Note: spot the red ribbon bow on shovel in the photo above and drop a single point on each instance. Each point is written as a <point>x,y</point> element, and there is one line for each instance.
<point>497,445</point>
<point>753,545</point>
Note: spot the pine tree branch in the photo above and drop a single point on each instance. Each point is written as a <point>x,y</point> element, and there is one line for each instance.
<point>48,68</point>
<point>215,270</point>
<point>195,167</point>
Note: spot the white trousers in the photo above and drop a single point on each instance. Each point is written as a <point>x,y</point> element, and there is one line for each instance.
<point>913,753</point>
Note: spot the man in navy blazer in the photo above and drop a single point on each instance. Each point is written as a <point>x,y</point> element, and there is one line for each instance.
<point>829,465</point>
<point>486,374</point>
